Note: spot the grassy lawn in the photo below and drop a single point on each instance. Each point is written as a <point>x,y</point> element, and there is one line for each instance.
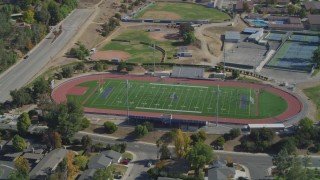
<point>119,168</point>
<point>142,53</point>
<point>314,94</point>
<point>127,155</point>
<point>245,79</point>
<point>186,99</point>
<point>179,11</point>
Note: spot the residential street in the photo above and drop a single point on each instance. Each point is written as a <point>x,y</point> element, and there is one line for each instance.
<point>257,164</point>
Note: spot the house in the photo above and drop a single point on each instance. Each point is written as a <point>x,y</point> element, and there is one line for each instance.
<point>313,22</point>
<point>232,36</point>
<point>183,52</point>
<point>114,155</point>
<point>312,6</point>
<point>48,164</point>
<point>99,161</point>
<point>286,27</point>
<point>87,174</point>
<point>239,6</point>
<point>219,171</point>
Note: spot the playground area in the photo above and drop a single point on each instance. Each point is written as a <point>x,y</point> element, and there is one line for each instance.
<point>294,56</point>
<point>196,97</point>
<point>181,11</point>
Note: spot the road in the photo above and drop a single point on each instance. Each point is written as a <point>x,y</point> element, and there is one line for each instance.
<point>257,164</point>
<point>21,73</point>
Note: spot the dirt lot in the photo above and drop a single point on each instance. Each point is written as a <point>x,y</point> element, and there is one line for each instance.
<point>108,55</point>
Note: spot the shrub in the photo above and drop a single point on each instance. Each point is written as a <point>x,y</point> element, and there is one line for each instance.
<point>67,72</point>
<point>85,123</point>
<point>110,127</point>
<point>141,130</point>
<point>149,125</point>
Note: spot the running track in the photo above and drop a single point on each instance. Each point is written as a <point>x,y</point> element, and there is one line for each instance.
<point>294,105</point>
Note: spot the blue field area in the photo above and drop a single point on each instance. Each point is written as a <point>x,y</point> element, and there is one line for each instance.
<point>275,36</point>
<point>304,38</point>
<point>106,93</point>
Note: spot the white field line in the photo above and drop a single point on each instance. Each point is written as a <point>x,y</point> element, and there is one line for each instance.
<point>168,110</point>
<point>178,85</point>
<point>249,103</point>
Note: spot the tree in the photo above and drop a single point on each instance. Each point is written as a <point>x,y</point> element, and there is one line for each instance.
<point>86,141</point>
<point>65,118</point>
<point>67,72</point>
<point>292,9</point>
<point>306,124</point>
<point>220,141</point>
<point>316,57</point>
<point>287,143</point>
<point>22,165</point>
<point>72,169</point>
<point>235,74</point>
<point>199,155</point>
<point>19,144</point>
<point>57,140</point>
<point>179,144</point>
<point>234,133</point>
<point>259,140</point>
<point>117,15</point>
<point>200,136</point>
<point>55,13</point>
<point>97,147</point>
<point>41,86</point>
<point>302,13</point>
<point>122,65</point>
<point>141,130</point>
<point>110,127</point>
<point>18,176</point>
<point>21,97</point>
<point>282,161</point>
<point>81,161</point>
<point>23,123</point>
<point>185,28</point>
<point>189,37</point>
<point>28,16</point>
<point>149,125</point>
<point>164,151</point>
<point>103,174</point>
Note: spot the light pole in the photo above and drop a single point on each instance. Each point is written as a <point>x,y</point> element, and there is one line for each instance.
<point>217,109</point>
<point>154,60</point>
<point>127,84</point>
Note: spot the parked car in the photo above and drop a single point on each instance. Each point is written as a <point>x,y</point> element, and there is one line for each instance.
<point>124,161</point>
<point>26,57</point>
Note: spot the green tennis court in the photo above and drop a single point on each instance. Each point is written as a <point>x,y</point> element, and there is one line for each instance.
<point>178,98</point>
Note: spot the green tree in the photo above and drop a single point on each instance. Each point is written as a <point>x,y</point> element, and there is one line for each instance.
<point>65,118</point>
<point>23,123</point>
<point>85,123</point>
<point>234,133</point>
<point>282,161</point>
<point>110,127</point>
<point>220,141</point>
<point>179,144</point>
<point>86,141</point>
<point>103,174</point>
<point>18,176</point>
<point>287,143</point>
<point>41,86</point>
<point>28,16</point>
<point>185,28</point>
<point>235,74</point>
<point>21,97</point>
<point>55,13</point>
<point>292,9</point>
<point>164,151</point>
<point>67,72</point>
<point>19,144</point>
<point>200,136</point>
<point>122,65</point>
<point>22,165</point>
<point>141,131</point>
<point>316,57</point>
<point>200,155</point>
<point>302,13</point>
<point>81,161</point>
<point>189,37</point>
<point>246,7</point>
<point>149,125</point>
<point>259,140</point>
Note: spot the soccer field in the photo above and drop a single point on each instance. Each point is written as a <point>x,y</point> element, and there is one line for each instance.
<point>189,99</point>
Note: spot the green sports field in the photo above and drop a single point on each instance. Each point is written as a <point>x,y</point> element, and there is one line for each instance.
<point>189,99</point>
<point>181,11</point>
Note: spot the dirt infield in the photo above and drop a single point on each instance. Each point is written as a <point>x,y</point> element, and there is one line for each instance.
<point>294,105</point>
<point>110,54</point>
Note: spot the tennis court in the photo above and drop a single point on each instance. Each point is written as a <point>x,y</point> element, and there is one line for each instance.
<point>275,36</point>
<point>294,56</point>
<point>177,98</point>
<point>304,38</point>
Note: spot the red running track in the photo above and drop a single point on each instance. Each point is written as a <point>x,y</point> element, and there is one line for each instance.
<point>294,105</point>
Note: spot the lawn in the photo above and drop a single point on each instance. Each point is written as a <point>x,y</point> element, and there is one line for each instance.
<point>313,93</point>
<point>117,168</point>
<point>180,11</point>
<point>142,53</point>
<point>189,99</point>
<point>127,155</point>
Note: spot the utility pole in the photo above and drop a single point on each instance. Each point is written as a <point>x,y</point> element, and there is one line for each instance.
<point>218,93</point>
<point>224,60</point>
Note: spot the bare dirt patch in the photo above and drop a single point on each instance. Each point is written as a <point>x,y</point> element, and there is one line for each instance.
<point>164,36</point>
<point>161,15</point>
<point>110,54</point>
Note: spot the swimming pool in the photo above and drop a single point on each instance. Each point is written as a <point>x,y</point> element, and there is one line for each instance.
<point>259,23</point>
